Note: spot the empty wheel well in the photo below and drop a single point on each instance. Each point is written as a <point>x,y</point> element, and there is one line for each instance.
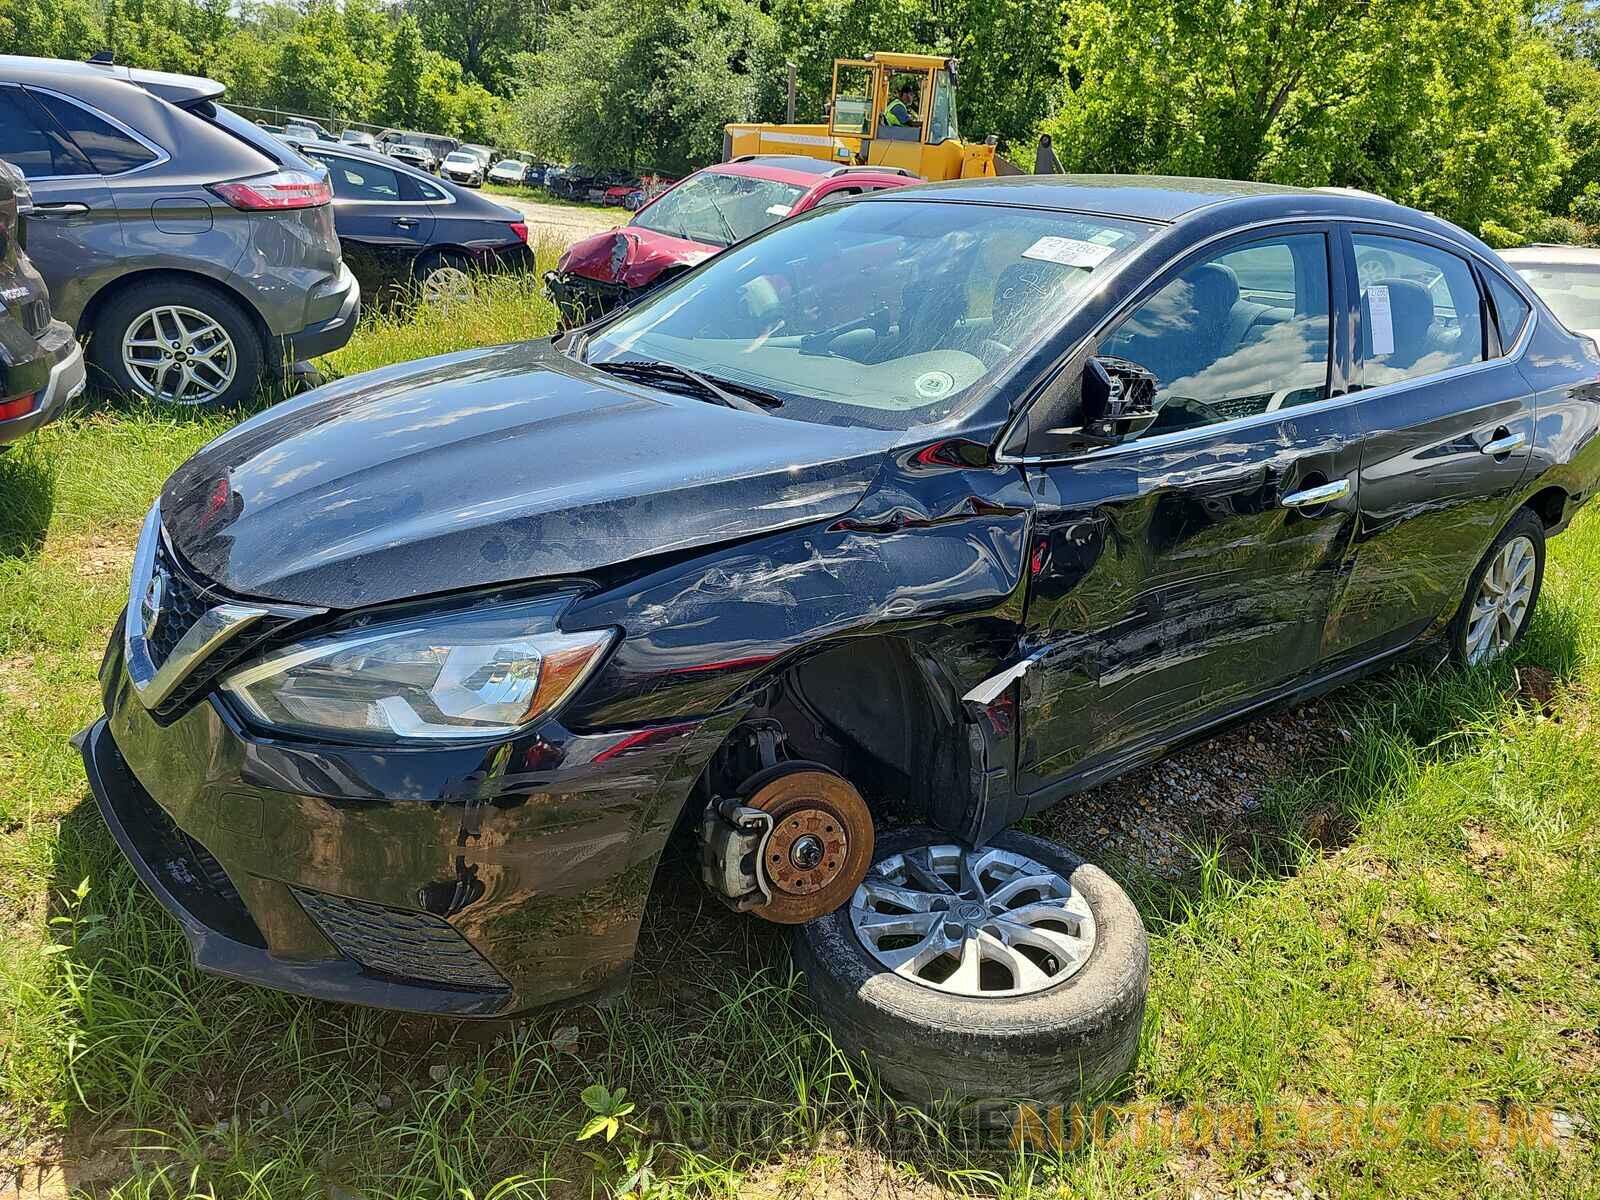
<point>97,302</point>
<point>874,709</point>
<point>1550,504</point>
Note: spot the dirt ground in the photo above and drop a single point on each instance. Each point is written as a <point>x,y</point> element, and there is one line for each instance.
<point>565,223</point>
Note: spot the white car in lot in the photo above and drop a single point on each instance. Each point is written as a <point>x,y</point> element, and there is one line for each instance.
<point>463,166</point>
<point>509,171</point>
<point>1567,278</point>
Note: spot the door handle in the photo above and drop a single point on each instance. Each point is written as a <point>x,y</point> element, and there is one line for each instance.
<point>406,222</point>
<point>61,208</point>
<point>1504,444</point>
<point>1313,497</point>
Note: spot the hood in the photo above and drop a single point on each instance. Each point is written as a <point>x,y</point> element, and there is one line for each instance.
<point>632,255</point>
<point>490,467</point>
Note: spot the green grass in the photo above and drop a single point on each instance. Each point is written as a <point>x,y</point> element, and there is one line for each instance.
<point>1416,923</point>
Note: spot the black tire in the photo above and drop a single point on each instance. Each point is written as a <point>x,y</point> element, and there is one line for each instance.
<point>1525,523</point>
<point>1068,1042</point>
<point>130,304</point>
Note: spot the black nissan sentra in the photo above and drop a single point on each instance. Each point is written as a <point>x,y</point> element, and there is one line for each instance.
<point>839,555</point>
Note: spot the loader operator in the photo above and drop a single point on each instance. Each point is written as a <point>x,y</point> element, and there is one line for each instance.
<point>902,111</point>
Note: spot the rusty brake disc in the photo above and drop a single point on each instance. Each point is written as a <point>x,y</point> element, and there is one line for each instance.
<point>820,845</point>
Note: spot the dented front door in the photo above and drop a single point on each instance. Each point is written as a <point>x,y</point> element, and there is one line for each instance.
<point>1178,576</point>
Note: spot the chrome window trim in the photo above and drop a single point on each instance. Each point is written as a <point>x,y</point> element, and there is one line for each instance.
<point>216,626</point>
<point>161,156</point>
<point>1178,437</point>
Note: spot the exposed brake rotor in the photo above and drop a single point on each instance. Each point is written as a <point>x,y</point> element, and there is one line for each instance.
<point>820,845</point>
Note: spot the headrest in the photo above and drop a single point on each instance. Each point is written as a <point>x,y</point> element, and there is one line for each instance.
<point>1216,290</point>
<point>1410,314</point>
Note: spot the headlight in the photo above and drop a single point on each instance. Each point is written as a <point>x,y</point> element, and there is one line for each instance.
<point>470,674</point>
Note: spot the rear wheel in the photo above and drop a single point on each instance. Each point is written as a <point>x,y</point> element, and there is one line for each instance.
<point>444,279</point>
<point>1013,971</point>
<point>178,341</point>
<point>1501,593</point>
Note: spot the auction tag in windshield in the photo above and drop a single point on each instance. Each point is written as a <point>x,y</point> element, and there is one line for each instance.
<point>1382,319</point>
<point>1069,252</point>
<point>778,210</point>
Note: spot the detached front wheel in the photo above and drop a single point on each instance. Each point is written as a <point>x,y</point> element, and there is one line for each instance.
<point>1015,971</point>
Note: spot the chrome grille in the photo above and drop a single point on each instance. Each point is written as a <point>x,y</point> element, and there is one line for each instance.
<point>178,632</point>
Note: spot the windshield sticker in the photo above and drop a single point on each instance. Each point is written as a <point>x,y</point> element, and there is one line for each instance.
<point>1382,319</point>
<point>779,210</point>
<point>933,384</point>
<point>1068,252</point>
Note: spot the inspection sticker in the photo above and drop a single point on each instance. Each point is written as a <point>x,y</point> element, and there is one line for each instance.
<point>1069,252</point>
<point>1382,319</point>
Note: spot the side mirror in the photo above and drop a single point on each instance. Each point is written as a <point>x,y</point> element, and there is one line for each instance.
<point>1119,399</point>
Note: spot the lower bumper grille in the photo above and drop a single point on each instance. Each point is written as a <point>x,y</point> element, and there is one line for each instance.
<point>413,946</point>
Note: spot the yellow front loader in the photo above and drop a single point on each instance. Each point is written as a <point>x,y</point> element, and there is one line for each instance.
<point>869,124</point>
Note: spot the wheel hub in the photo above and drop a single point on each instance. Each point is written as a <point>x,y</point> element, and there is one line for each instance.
<point>820,845</point>
<point>983,922</point>
<point>1501,605</point>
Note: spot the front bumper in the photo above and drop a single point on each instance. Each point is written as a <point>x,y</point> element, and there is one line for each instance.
<point>61,365</point>
<point>580,299</point>
<point>471,881</point>
<point>326,336</point>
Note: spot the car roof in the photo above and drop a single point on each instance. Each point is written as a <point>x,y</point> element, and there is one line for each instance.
<point>1553,254</point>
<point>1148,197</point>
<point>179,89</point>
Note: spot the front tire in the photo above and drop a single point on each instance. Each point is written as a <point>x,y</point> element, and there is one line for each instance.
<point>177,341</point>
<point>1056,1028</point>
<point>1501,593</point>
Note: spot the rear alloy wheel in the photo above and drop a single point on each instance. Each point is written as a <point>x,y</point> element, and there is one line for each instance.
<point>1501,593</point>
<point>444,281</point>
<point>177,342</point>
<point>1010,971</point>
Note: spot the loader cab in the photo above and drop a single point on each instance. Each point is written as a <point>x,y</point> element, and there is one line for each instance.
<point>902,108</point>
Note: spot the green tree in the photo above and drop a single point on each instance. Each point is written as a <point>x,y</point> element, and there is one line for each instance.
<point>647,84</point>
<point>1431,102</point>
<point>399,98</point>
<point>53,28</point>
<point>481,35</point>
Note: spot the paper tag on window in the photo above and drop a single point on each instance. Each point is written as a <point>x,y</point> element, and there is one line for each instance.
<point>1382,321</point>
<point>1069,252</point>
<point>778,210</point>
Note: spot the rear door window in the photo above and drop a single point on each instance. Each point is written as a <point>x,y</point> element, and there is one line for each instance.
<point>109,149</point>
<point>353,179</point>
<point>1421,312</point>
<point>32,141</point>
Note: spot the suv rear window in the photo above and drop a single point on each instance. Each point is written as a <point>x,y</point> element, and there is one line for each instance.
<point>110,149</point>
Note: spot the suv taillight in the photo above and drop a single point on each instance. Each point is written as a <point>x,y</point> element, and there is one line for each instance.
<point>280,190</point>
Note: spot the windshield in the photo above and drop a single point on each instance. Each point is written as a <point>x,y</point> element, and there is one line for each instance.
<point>718,209</point>
<point>1571,290</point>
<point>460,159</point>
<point>507,164</point>
<point>884,313</point>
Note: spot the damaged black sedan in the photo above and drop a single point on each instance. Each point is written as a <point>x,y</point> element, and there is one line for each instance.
<point>838,556</point>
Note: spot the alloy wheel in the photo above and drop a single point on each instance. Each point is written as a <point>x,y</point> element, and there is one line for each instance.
<point>179,354</point>
<point>1501,605</point>
<point>982,923</point>
<point>446,284</point>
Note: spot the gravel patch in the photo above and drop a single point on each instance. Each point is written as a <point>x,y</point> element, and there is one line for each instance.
<point>1151,817</point>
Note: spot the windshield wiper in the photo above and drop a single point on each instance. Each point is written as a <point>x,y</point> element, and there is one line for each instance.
<point>733,395</point>
<point>727,225</point>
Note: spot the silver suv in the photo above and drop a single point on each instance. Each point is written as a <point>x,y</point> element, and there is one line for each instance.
<point>193,250</point>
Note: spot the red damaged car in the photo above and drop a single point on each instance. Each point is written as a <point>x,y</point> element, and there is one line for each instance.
<point>706,213</point>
